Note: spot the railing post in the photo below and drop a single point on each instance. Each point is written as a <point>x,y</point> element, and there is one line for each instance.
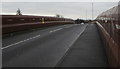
<point>43,21</point>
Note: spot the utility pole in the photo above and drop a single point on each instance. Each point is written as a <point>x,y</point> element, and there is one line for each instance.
<point>86,14</point>
<point>92,11</point>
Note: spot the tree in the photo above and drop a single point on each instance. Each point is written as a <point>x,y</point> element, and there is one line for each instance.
<point>79,21</point>
<point>59,16</point>
<point>19,12</point>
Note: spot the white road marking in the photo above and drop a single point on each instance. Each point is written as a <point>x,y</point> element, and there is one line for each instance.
<point>20,42</point>
<point>69,26</point>
<point>56,30</point>
<point>32,38</point>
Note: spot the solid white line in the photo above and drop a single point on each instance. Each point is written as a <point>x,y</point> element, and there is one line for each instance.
<point>20,42</point>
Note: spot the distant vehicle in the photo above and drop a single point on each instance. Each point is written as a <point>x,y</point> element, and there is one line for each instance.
<point>82,23</point>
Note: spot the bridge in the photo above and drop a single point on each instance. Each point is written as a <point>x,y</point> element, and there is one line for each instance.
<point>39,41</point>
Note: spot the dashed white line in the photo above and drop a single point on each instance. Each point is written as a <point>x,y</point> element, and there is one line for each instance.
<point>32,38</point>
<point>56,30</point>
<point>20,42</point>
<point>69,26</point>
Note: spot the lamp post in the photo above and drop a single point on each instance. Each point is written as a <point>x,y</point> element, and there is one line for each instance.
<point>92,11</point>
<point>86,14</point>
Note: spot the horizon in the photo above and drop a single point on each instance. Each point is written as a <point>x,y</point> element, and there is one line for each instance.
<point>74,10</point>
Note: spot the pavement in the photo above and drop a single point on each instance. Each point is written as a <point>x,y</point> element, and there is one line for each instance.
<point>87,51</point>
<point>71,45</point>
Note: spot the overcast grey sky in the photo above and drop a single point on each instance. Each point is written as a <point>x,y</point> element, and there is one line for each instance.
<point>67,9</point>
<point>59,0</point>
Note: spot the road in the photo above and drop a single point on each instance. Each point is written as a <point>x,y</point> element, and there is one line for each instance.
<point>40,48</point>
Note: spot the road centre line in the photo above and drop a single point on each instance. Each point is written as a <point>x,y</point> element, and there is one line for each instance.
<point>60,28</point>
<point>20,42</point>
<point>56,30</point>
<point>31,38</point>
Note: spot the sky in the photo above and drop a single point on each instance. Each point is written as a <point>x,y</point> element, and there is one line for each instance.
<point>74,10</point>
<point>60,0</point>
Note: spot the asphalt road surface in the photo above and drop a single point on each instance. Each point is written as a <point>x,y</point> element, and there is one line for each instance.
<point>40,48</point>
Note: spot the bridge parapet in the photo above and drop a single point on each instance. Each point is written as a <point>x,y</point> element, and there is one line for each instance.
<point>11,23</point>
<point>109,25</point>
